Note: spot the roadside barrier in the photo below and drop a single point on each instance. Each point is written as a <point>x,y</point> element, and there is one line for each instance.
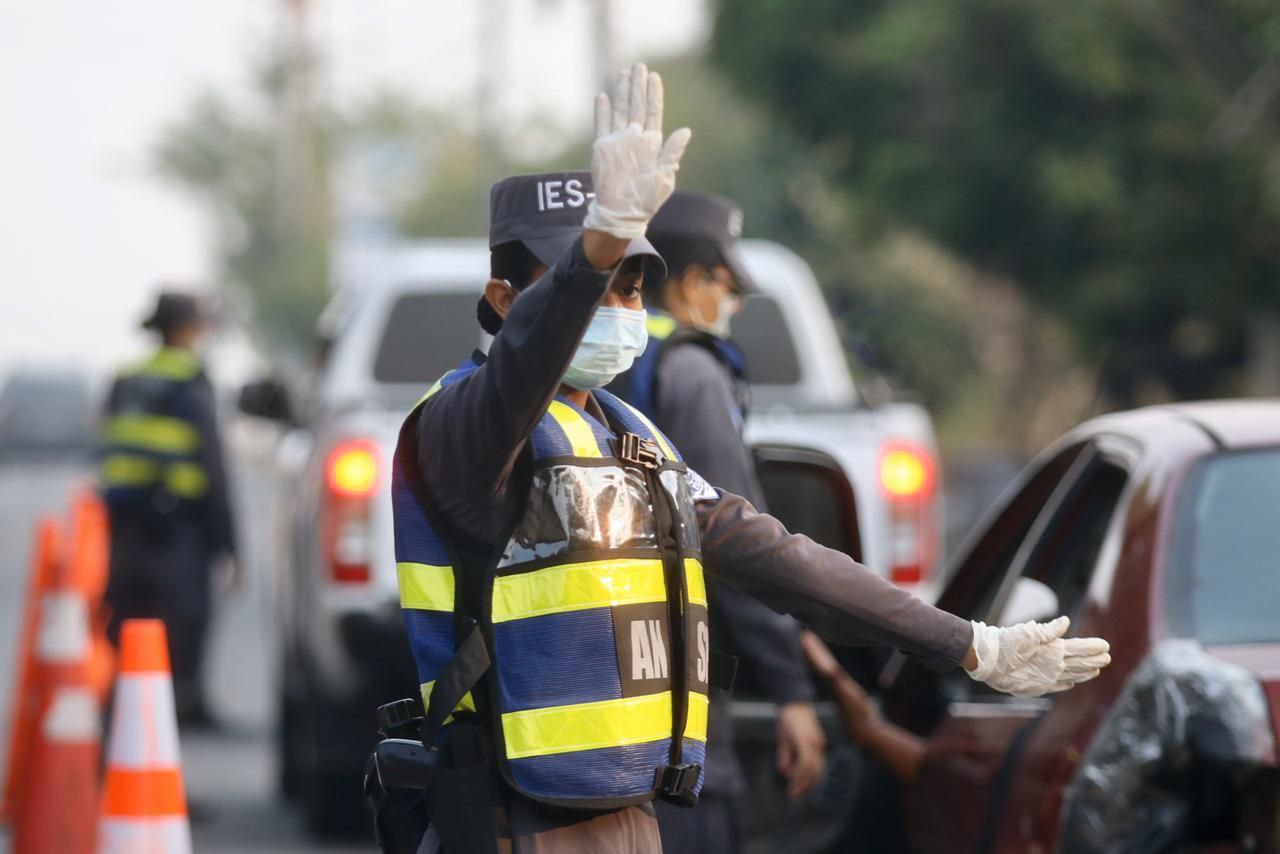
<point>144,806</point>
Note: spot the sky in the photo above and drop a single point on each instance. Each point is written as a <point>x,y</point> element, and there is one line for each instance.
<point>87,231</point>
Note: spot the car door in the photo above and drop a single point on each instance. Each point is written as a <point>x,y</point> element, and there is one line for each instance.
<point>1063,508</point>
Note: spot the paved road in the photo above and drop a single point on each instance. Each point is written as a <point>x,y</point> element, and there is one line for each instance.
<point>230,775</point>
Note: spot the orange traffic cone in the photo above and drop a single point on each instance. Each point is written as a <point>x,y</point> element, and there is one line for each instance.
<point>144,807</point>
<point>89,567</point>
<point>60,783</point>
<point>89,541</point>
<point>29,696</point>
<point>57,814</point>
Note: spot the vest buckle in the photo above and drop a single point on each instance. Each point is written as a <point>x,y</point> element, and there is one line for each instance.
<point>637,451</point>
<point>676,781</point>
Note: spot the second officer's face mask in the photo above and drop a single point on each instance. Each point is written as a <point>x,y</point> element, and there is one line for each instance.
<point>612,342</point>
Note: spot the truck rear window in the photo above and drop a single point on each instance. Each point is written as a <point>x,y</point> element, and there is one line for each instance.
<point>425,336</point>
<point>761,331</point>
<point>1225,556</point>
<point>428,334</point>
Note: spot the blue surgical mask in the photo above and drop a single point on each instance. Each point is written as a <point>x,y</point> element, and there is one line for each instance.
<point>612,342</point>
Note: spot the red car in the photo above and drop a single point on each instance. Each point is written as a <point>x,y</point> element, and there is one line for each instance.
<point>1159,530</point>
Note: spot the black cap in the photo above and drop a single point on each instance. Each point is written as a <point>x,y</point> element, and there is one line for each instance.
<point>702,217</point>
<point>545,213</point>
<point>174,309</point>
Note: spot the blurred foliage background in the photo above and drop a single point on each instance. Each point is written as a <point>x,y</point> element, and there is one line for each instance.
<point>1023,212</point>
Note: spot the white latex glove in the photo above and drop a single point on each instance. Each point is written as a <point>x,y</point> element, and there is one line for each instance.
<point>1031,659</point>
<point>633,171</point>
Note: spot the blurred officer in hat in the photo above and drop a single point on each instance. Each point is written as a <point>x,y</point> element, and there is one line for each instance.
<point>550,540</point>
<point>165,487</point>
<point>691,380</point>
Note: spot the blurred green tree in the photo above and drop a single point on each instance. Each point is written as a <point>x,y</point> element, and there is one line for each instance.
<point>259,171</point>
<point>784,187</point>
<point>1117,161</point>
<point>906,309</point>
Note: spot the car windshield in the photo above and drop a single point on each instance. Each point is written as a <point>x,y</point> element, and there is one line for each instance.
<point>1225,560</point>
<point>426,335</point>
<point>429,333</point>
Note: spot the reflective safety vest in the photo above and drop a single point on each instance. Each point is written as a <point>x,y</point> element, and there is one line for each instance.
<point>594,613</point>
<point>639,385</point>
<point>150,443</point>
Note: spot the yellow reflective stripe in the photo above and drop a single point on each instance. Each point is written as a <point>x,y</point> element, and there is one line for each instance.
<point>128,470</point>
<point>153,433</point>
<point>657,434</point>
<point>435,387</point>
<point>468,702</point>
<point>587,726</point>
<point>425,587</point>
<point>694,582</point>
<point>171,363</point>
<point>660,325</point>
<point>582,440</point>
<point>186,480</point>
<point>577,587</point>
<point>695,725</point>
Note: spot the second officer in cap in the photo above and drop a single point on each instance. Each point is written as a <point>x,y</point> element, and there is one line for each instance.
<point>551,541</point>
<point>167,496</point>
<point>691,380</point>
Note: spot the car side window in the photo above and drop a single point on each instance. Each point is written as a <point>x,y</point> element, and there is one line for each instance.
<point>1070,541</point>
<point>985,563</point>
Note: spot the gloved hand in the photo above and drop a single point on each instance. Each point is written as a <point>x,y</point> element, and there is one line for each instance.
<point>633,171</point>
<point>1031,659</point>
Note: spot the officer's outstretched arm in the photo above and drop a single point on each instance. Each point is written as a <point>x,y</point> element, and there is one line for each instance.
<point>844,602</point>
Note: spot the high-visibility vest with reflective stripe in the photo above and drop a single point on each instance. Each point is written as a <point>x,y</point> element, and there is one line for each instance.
<point>595,614</point>
<point>148,441</point>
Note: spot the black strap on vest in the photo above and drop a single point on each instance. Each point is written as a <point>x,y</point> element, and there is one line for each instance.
<point>460,798</point>
<point>462,673</point>
<point>461,803</point>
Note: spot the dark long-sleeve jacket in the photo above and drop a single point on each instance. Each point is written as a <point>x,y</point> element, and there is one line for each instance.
<point>472,433</point>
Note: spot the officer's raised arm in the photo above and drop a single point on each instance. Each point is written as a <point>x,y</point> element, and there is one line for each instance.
<point>488,418</point>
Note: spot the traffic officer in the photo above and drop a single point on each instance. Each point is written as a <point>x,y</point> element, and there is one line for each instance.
<point>550,541</point>
<point>166,493</point>
<point>691,380</point>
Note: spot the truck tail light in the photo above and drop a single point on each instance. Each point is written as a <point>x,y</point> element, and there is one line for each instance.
<point>906,472</point>
<point>352,477</point>
<point>352,469</point>
<point>908,476</point>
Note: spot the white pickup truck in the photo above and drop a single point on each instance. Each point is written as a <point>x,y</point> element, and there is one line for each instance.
<point>856,477</point>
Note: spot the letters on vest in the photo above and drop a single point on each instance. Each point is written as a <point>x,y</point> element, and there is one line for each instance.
<point>595,612</point>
